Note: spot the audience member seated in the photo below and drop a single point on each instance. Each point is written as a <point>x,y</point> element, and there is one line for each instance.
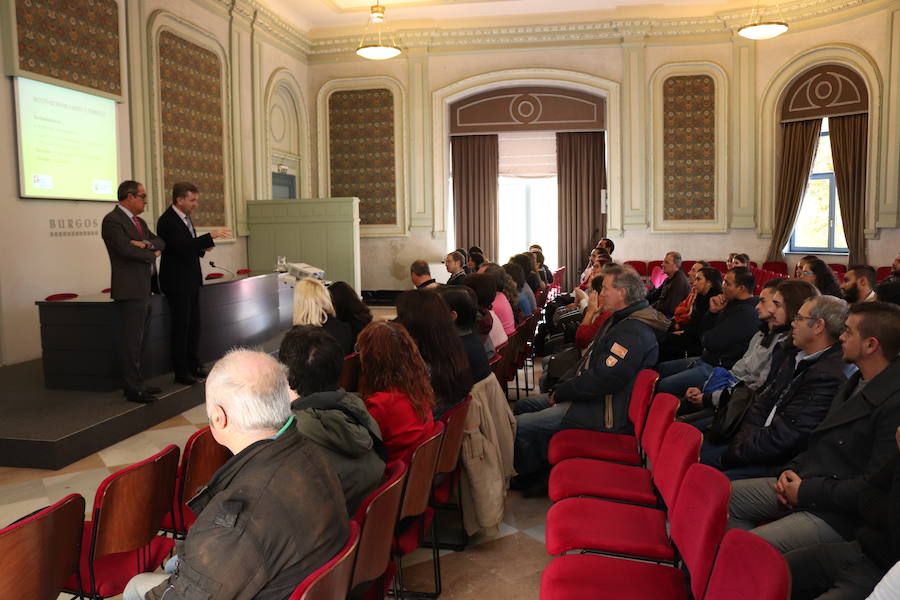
<point>595,316</point>
<point>395,387</point>
<point>853,569</point>
<point>889,291</point>
<point>683,310</point>
<point>820,275</point>
<point>895,276</point>
<point>349,308</point>
<point>337,421</point>
<point>859,284</point>
<point>427,319</point>
<point>313,306</point>
<point>777,426</point>
<point>779,301</point>
<point>463,307</point>
<point>272,514</point>
<point>455,264</point>
<point>485,288</point>
<point>476,259</point>
<point>729,324</point>
<point>737,259</point>
<point>525,300</point>
<point>673,290</point>
<point>420,275</point>
<point>543,270</point>
<point>800,267</point>
<point>465,259</point>
<point>506,301</point>
<point>685,340</point>
<point>595,394</point>
<point>591,267</point>
<point>814,499</point>
<point>607,244</point>
<point>529,268</point>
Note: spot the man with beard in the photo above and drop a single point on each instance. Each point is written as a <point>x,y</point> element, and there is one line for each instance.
<point>859,284</point>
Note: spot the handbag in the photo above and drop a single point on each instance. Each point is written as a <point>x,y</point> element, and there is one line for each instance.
<point>557,366</point>
<point>733,407</point>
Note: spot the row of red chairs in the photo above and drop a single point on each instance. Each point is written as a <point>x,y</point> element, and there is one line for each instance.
<point>512,355</point>
<point>71,295</point>
<point>643,511</point>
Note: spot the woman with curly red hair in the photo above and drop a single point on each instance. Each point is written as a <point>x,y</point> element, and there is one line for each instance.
<point>395,387</point>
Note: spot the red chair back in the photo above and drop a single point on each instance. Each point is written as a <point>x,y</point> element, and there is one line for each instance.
<point>60,297</point>
<point>130,504</point>
<point>244,271</point>
<point>215,276</point>
<point>687,264</point>
<point>377,518</point>
<point>38,553</point>
<point>106,290</point>
<point>748,567</point>
<point>641,396</point>
<point>421,474</point>
<point>660,418</point>
<point>720,265</point>
<point>680,449</point>
<point>331,581</point>
<point>639,265</point>
<point>653,264</point>
<point>454,427</point>
<point>838,270</point>
<point>776,266</point>
<point>698,521</point>
<point>350,372</point>
<point>883,273</point>
<point>203,456</point>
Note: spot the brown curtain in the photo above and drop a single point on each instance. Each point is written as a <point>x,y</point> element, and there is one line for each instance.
<point>848,148</point>
<point>476,165</point>
<point>799,140</point>
<point>581,176</point>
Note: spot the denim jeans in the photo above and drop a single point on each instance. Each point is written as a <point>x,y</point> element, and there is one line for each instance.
<point>536,422</point>
<point>676,376</point>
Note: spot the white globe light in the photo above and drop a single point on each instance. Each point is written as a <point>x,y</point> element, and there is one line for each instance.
<point>762,31</point>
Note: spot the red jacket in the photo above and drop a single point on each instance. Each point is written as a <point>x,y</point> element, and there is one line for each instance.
<point>401,429</point>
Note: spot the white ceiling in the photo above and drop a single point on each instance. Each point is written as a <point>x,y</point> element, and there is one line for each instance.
<point>329,17</point>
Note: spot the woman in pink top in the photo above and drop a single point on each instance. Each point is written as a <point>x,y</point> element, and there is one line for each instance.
<point>502,305</point>
<point>395,387</point>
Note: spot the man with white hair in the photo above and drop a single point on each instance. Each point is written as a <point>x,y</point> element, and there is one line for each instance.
<point>272,514</point>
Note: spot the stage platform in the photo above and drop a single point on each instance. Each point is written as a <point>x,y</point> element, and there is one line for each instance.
<point>49,429</point>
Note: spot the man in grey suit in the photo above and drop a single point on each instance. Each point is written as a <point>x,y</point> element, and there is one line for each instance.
<point>132,249</point>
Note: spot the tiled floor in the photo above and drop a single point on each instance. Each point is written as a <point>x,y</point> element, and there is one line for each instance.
<point>504,566</point>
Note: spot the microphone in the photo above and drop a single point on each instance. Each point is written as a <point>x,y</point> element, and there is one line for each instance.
<point>214,266</point>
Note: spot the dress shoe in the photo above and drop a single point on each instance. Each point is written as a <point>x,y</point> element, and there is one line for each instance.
<point>149,389</point>
<point>144,397</point>
<point>200,372</point>
<point>185,380</point>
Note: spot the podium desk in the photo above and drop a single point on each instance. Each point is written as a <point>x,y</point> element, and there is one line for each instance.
<point>79,337</point>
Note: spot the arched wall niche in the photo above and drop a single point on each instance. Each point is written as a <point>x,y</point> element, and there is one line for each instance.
<point>287,132</point>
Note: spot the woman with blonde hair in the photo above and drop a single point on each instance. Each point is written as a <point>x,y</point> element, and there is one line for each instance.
<point>313,306</point>
<point>395,387</point>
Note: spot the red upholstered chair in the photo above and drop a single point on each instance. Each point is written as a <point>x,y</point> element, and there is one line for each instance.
<point>687,264</point>
<point>698,523</point>
<point>415,514</point>
<point>106,290</point>
<point>748,568</point>
<point>244,271</point>
<point>377,518</point>
<point>600,479</point>
<point>350,372</point>
<point>720,265</point>
<point>60,297</point>
<point>776,266</point>
<point>332,580</point>
<point>838,270</point>
<point>121,539</point>
<point>883,273</point>
<point>639,265</point>
<point>653,264</point>
<point>40,552</point>
<point>753,264</point>
<point>202,457</point>
<point>584,443</point>
<point>211,276</point>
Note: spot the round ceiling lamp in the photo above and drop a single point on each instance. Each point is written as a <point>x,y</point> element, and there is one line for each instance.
<point>377,43</point>
<point>763,31</point>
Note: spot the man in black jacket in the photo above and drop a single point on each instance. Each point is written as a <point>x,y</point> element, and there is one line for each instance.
<point>180,279</point>
<point>673,290</point>
<point>272,514</point>
<point>777,426</point>
<point>728,325</point>
<point>814,498</point>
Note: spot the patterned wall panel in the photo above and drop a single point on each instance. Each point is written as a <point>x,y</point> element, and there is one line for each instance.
<point>689,148</point>
<point>192,128</point>
<point>361,138</point>
<point>72,40</point>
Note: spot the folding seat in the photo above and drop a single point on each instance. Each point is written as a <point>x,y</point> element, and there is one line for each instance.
<point>698,524</point>
<point>776,266</point>
<point>640,266</point>
<point>611,527</point>
<point>748,567</point>
<point>600,479</point>
<point>331,581</point>
<point>719,264</point>
<point>39,553</point>
<point>585,443</point>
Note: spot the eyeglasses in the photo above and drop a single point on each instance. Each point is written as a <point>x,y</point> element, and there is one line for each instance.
<point>799,317</point>
<point>807,273</point>
<point>141,196</point>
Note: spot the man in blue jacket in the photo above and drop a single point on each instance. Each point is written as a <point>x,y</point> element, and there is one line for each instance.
<point>594,395</point>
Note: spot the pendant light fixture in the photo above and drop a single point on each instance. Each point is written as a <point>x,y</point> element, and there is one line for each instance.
<point>759,29</point>
<point>377,43</point>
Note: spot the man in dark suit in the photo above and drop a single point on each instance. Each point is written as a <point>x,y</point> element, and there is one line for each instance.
<point>180,279</point>
<point>132,249</point>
